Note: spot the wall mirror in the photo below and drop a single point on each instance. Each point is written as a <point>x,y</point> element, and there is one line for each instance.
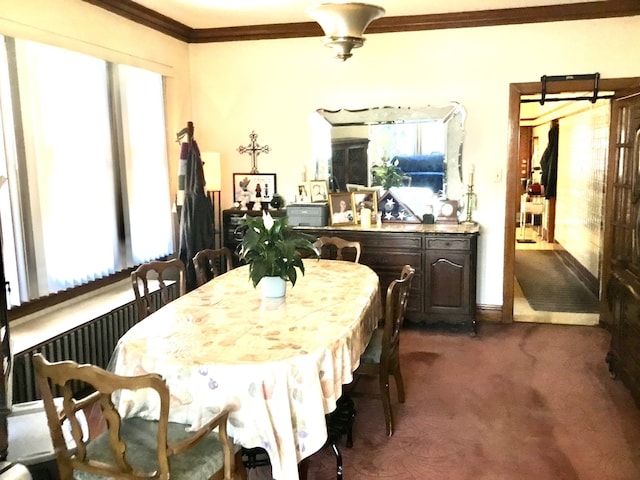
<point>426,141</point>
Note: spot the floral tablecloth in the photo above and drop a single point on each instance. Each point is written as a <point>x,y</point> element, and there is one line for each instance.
<point>279,363</point>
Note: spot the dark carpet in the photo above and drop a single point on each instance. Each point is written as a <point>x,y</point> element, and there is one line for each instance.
<point>518,402</point>
<point>549,285</point>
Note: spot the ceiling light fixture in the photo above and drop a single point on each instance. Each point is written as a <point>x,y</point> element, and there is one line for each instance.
<point>344,24</point>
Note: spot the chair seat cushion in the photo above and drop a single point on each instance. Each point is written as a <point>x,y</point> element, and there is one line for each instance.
<point>374,350</point>
<point>199,462</point>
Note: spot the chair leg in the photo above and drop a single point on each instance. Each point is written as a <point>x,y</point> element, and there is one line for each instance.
<point>350,429</point>
<point>386,403</point>
<point>397,374</point>
<point>336,451</point>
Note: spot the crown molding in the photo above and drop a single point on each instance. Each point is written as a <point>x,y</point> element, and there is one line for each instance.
<point>479,18</point>
<point>147,17</point>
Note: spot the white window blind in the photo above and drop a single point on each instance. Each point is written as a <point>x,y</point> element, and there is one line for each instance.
<point>89,186</point>
<point>146,163</point>
<point>65,110</point>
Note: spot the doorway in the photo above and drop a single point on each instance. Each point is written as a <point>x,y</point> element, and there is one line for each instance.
<point>559,231</point>
<point>511,292</point>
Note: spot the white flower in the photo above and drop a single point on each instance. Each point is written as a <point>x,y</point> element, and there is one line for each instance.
<point>267,220</point>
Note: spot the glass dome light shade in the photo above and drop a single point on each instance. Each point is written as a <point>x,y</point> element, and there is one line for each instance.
<point>344,24</point>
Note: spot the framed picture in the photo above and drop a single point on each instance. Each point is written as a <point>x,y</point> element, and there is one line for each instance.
<point>302,195</point>
<point>253,187</point>
<point>318,190</point>
<point>341,208</point>
<point>365,199</point>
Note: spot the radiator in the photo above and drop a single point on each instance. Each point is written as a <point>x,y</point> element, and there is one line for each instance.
<point>92,342</point>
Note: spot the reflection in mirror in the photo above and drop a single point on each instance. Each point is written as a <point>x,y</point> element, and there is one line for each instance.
<point>426,142</point>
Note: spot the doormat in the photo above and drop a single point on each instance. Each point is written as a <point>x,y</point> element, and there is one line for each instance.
<point>549,285</point>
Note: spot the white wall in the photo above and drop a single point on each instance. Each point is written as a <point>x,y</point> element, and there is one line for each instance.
<point>582,154</point>
<point>272,86</point>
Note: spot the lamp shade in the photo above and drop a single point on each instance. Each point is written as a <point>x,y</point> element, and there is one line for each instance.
<point>211,167</point>
<point>344,24</point>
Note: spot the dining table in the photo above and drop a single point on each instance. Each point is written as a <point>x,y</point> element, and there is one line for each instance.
<point>279,364</point>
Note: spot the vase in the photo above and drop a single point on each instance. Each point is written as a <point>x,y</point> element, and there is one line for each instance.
<point>273,287</point>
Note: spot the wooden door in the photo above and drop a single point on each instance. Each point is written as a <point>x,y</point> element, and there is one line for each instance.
<point>622,221</point>
<point>621,265</point>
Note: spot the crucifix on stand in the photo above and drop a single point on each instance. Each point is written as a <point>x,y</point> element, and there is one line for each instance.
<point>254,150</point>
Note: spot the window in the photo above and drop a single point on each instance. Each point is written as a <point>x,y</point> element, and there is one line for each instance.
<point>86,160</point>
<point>146,164</point>
<point>413,138</point>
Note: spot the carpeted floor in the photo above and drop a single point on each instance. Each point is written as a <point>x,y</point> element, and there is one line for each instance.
<point>549,285</point>
<point>519,402</point>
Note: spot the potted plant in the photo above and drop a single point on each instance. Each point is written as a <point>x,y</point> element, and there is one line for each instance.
<point>387,174</point>
<point>273,251</point>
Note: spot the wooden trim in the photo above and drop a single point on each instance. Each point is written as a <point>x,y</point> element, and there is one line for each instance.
<point>489,313</point>
<point>256,32</point>
<point>479,18</point>
<point>145,16</point>
<point>507,16</point>
<point>512,203</point>
<point>590,281</point>
<point>33,306</point>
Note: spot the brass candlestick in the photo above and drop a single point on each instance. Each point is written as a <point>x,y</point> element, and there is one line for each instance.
<point>471,200</point>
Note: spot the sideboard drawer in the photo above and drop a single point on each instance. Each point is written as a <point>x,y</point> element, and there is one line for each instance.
<point>394,241</point>
<point>448,244</point>
<point>382,241</point>
<point>396,258</point>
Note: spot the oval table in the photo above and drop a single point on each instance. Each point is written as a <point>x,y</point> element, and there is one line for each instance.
<point>279,363</point>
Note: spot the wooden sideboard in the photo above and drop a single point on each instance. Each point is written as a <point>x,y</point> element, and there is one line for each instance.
<point>443,291</point>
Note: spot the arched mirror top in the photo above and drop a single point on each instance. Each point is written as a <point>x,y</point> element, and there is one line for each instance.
<point>389,115</point>
<point>427,142</point>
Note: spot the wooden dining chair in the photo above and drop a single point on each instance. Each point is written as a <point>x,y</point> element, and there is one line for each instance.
<point>210,263</point>
<point>381,358</point>
<point>130,448</point>
<point>163,273</point>
<point>333,248</point>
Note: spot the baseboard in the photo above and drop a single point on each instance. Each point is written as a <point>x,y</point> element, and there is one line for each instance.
<point>591,282</point>
<point>489,313</point>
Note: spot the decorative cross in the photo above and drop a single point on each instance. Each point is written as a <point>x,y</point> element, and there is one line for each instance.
<point>254,150</point>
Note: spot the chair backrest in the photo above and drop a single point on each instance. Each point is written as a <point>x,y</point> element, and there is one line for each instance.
<point>210,263</point>
<point>152,443</point>
<point>160,271</point>
<point>337,244</point>
<point>60,377</point>
<point>395,308</point>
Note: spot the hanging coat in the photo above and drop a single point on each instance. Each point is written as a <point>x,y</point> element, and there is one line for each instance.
<point>196,216</point>
<point>549,163</point>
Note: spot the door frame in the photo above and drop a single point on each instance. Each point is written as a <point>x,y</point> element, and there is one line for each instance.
<point>516,91</point>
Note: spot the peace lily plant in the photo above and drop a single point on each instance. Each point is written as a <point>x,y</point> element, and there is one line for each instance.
<point>272,248</point>
<point>387,174</point>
